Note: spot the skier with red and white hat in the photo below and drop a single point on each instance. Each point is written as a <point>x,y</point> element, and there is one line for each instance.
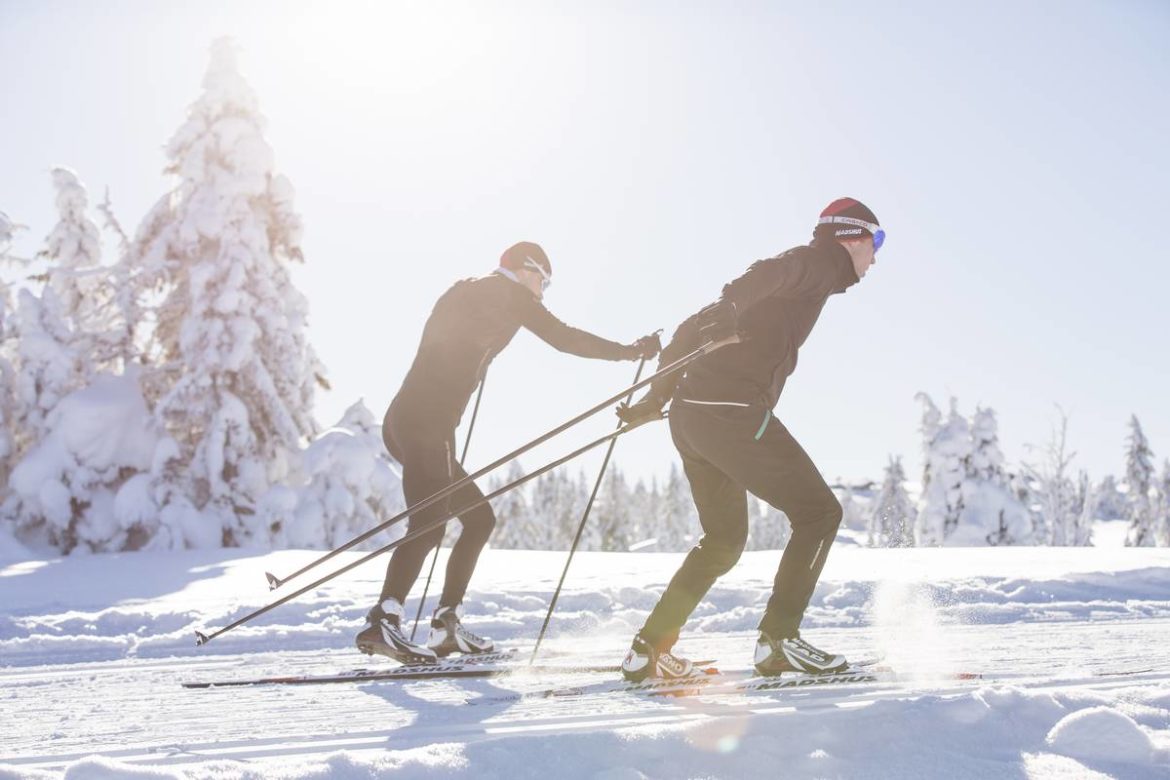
<point>722,424</point>
<point>470,324</point>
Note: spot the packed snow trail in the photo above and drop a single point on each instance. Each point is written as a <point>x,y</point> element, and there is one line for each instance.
<point>94,651</point>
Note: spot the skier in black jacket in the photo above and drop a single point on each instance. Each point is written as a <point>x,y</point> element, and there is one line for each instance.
<point>470,324</point>
<point>722,424</point>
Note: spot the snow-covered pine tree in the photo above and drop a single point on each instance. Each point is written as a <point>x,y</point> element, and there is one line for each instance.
<point>48,367</point>
<point>643,510</point>
<point>555,510</point>
<point>84,289</point>
<point>514,526</point>
<point>768,527</point>
<point>892,521</point>
<point>1162,527</point>
<point>946,450</point>
<point>616,525</point>
<point>1055,489</point>
<point>577,487</point>
<point>1108,500</point>
<point>80,486</point>
<point>62,329</point>
<point>854,513</point>
<point>8,229</point>
<point>679,529</point>
<point>351,486</point>
<point>991,512</point>
<point>119,344</point>
<point>235,376</point>
<point>1081,533</point>
<point>1139,475</point>
<point>653,519</point>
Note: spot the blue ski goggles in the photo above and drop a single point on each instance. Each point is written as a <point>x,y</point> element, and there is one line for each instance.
<point>879,235</point>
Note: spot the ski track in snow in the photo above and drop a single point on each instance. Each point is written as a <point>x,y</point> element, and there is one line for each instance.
<point>93,650</point>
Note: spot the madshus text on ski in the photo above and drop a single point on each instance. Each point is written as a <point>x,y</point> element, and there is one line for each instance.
<point>721,374</point>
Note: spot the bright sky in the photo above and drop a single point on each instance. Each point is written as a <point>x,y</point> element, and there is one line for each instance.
<point>1016,153</point>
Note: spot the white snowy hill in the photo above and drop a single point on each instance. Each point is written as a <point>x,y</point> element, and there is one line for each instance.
<point>1071,643</point>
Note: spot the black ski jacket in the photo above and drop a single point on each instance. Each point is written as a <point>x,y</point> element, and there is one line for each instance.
<point>777,302</point>
<point>470,324</point>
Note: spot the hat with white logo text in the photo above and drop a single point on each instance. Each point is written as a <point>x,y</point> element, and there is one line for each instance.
<point>845,219</point>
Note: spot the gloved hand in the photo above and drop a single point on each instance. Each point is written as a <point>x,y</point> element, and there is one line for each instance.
<point>717,321</point>
<point>646,410</point>
<point>647,346</point>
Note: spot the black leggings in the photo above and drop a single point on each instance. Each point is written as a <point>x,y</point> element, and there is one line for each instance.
<point>726,452</point>
<point>426,453</point>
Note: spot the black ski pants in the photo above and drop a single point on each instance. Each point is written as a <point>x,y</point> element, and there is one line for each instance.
<point>728,451</point>
<point>426,451</point>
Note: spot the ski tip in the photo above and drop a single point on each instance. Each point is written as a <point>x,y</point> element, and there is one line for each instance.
<point>201,639</point>
<point>274,582</point>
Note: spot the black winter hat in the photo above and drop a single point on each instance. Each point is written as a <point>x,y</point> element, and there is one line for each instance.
<point>850,208</point>
<point>525,254</point>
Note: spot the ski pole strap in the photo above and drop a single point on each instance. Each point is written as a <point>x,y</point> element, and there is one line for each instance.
<point>455,486</point>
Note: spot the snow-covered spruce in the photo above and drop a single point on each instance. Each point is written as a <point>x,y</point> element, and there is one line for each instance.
<point>1139,476</point>
<point>1162,530</point>
<point>234,377</point>
<point>892,521</point>
<point>8,229</point>
<point>991,512</point>
<point>80,486</point>
<point>84,289</point>
<point>351,485</point>
<point>1062,518</point>
<point>945,450</point>
<point>967,496</point>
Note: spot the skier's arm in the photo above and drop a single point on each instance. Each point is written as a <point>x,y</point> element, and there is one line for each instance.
<point>574,341</point>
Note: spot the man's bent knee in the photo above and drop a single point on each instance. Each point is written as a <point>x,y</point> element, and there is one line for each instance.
<point>719,558</point>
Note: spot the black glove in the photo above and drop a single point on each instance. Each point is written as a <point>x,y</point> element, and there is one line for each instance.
<point>717,321</point>
<point>647,346</point>
<point>646,410</point>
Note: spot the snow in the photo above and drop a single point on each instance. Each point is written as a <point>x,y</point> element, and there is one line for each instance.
<point>92,650</point>
<point>95,435</point>
<point>1103,734</point>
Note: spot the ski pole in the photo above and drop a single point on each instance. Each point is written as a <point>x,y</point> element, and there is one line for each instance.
<point>202,639</point>
<point>710,346</point>
<point>581,527</point>
<point>435,558</point>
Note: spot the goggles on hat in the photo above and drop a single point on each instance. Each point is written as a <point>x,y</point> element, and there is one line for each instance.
<point>879,235</point>
<point>545,276</point>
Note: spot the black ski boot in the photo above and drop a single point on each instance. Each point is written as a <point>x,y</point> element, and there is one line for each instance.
<point>449,636</point>
<point>383,636</point>
<point>644,661</point>
<point>793,654</point>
